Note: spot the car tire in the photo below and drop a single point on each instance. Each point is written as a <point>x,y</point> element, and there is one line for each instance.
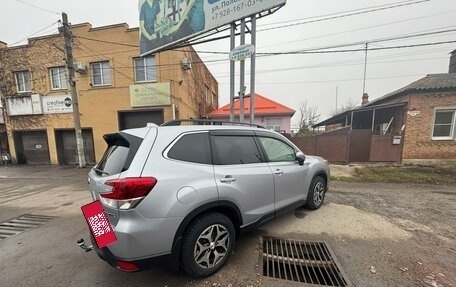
<point>207,244</point>
<point>316,194</point>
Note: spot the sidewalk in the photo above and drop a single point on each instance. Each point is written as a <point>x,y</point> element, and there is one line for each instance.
<point>43,171</point>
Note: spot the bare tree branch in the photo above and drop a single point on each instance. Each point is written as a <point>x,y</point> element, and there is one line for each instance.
<point>308,116</point>
<point>349,105</point>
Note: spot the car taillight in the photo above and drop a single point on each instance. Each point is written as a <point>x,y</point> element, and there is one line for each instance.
<point>127,192</point>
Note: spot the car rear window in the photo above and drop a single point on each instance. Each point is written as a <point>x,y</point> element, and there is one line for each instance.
<point>118,156</point>
<point>192,148</point>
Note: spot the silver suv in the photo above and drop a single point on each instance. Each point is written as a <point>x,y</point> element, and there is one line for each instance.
<point>186,192</point>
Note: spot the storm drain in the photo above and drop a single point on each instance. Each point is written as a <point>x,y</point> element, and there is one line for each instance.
<point>22,223</point>
<point>301,261</point>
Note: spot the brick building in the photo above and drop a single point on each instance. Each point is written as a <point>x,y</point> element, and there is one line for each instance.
<point>116,90</point>
<point>413,124</point>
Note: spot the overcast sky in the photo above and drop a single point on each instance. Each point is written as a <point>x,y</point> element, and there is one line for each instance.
<point>290,79</point>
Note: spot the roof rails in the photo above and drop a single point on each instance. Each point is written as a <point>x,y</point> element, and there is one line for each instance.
<point>208,122</point>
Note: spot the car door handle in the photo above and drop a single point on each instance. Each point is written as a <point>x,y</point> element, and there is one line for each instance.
<point>278,172</point>
<point>228,179</point>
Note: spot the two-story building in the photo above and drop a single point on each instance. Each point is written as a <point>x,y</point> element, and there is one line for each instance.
<point>116,89</point>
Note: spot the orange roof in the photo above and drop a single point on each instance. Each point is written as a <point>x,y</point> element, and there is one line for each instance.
<point>263,106</point>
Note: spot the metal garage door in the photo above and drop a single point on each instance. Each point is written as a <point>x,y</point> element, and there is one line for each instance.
<point>32,147</point>
<point>137,119</point>
<point>67,149</point>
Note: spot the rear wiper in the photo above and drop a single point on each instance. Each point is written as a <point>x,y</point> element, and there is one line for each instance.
<point>99,171</point>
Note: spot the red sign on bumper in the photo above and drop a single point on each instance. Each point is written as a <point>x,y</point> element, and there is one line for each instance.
<point>98,223</point>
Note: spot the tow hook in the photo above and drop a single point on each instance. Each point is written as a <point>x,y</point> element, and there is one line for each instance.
<point>83,246</point>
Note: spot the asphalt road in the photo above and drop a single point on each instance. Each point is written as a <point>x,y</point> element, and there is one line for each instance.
<point>404,232</point>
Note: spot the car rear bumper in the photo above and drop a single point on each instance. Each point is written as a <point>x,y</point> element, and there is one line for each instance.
<point>171,260</point>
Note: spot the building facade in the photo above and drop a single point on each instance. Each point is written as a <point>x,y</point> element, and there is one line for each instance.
<point>116,89</point>
<point>414,124</point>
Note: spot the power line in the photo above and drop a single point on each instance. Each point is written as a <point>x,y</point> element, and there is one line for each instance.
<point>359,29</point>
<point>426,51</point>
<point>108,42</point>
<point>336,13</point>
<point>345,15</point>
<point>337,80</point>
<point>336,64</point>
<point>36,33</point>
<point>378,40</point>
<point>357,50</point>
<point>36,7</point>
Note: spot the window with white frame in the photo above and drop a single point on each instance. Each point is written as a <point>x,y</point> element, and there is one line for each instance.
<point>145,69</point>
<point>274,124</point>
<point>101,73</point>
<point>58,78</point>
<point>444,124</point>
<point>23,83</point>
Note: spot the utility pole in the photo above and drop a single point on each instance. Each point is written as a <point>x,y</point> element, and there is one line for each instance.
<point>242,75</point>
<point>365,67</point>
<point>74,97</point>
<point>252,70</point>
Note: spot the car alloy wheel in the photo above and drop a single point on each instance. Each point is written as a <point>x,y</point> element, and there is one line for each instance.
<point>316,194</point>
<point>319,193</point>
<point>207,244</point>
<point>211,246</point>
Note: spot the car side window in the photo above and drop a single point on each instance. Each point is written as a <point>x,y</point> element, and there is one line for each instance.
<point>277,150</point>
<point>229,150</point>
<point>192,148</point>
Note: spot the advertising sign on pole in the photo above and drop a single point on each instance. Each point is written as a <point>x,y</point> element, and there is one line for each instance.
<point>163,23</point>
<point>242,52</point>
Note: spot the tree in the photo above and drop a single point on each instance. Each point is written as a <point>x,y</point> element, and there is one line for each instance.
<point>347,106</point>
<point>308,116</point>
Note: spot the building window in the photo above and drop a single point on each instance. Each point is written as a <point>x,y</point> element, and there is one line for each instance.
<point>101,73</point>
<point>444,124</point>
<point>214,100</point>
<point>58,78</point>
<point>274,124</point>
<point>145,69</point>
<point>23,83</point>
<point>207,95</point>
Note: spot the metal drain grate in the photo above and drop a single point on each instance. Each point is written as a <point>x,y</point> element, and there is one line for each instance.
<point>301,261</point>
<point>22,223</point>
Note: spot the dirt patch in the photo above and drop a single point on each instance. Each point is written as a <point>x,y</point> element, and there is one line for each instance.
<point>398,174</point>
<point>427,213</point>
<point>351,223</point>
<point>342,171</point>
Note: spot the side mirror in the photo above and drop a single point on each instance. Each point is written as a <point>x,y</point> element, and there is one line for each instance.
<point>300,157</point>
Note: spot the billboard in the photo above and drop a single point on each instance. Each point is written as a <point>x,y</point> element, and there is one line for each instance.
<point>163,23</point>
